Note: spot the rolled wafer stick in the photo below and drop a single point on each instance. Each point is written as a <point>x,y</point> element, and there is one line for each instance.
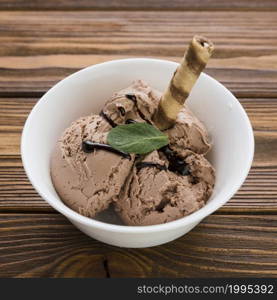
<point>185,76</point>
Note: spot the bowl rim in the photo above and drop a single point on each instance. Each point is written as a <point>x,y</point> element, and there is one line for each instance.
<point>195,217</point>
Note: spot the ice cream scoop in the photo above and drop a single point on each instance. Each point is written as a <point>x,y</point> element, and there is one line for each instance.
<point>154,195</point>
<point>137,102</point>
<point>188,133</point>
<point>88,180</point>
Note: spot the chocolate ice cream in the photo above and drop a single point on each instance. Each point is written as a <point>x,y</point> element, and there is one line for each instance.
<point>88,182</point>
<point>188,133</point>
<point>154,195</point>
<point>137,102</point>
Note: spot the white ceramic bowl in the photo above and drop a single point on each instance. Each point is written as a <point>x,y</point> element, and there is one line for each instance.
<point>86,91</point>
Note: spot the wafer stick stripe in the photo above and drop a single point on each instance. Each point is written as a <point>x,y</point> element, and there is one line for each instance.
<point>177,93</point>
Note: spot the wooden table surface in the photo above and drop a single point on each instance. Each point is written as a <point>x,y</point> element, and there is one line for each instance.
<point>44,41</point>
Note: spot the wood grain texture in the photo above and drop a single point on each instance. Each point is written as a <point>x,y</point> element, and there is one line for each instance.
<point>258,192</point>
<point>40,48</point>
<point>140,4</point>
<point>44,41</point>
<point>47,245</point>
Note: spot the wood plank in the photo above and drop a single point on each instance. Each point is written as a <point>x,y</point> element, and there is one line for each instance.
<point>142,4</point>
<point>258,192</point>
<point>118,32</point>
<point>40,48</point>
<point>35,82</point>
<point>47,245</point>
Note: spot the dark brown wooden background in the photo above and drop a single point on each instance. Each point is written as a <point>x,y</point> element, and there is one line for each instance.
<point>43,41</point>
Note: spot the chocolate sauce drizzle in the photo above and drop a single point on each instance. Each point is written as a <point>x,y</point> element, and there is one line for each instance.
<point>145,164</point>
<point>122,111</point>
<point>176,163</point>
<point>110,121</point>
<point>88,147</point>
<point>133,98</point>
<point>130,121</point>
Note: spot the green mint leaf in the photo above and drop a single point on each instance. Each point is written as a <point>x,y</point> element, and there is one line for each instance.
<point>138,138</point>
